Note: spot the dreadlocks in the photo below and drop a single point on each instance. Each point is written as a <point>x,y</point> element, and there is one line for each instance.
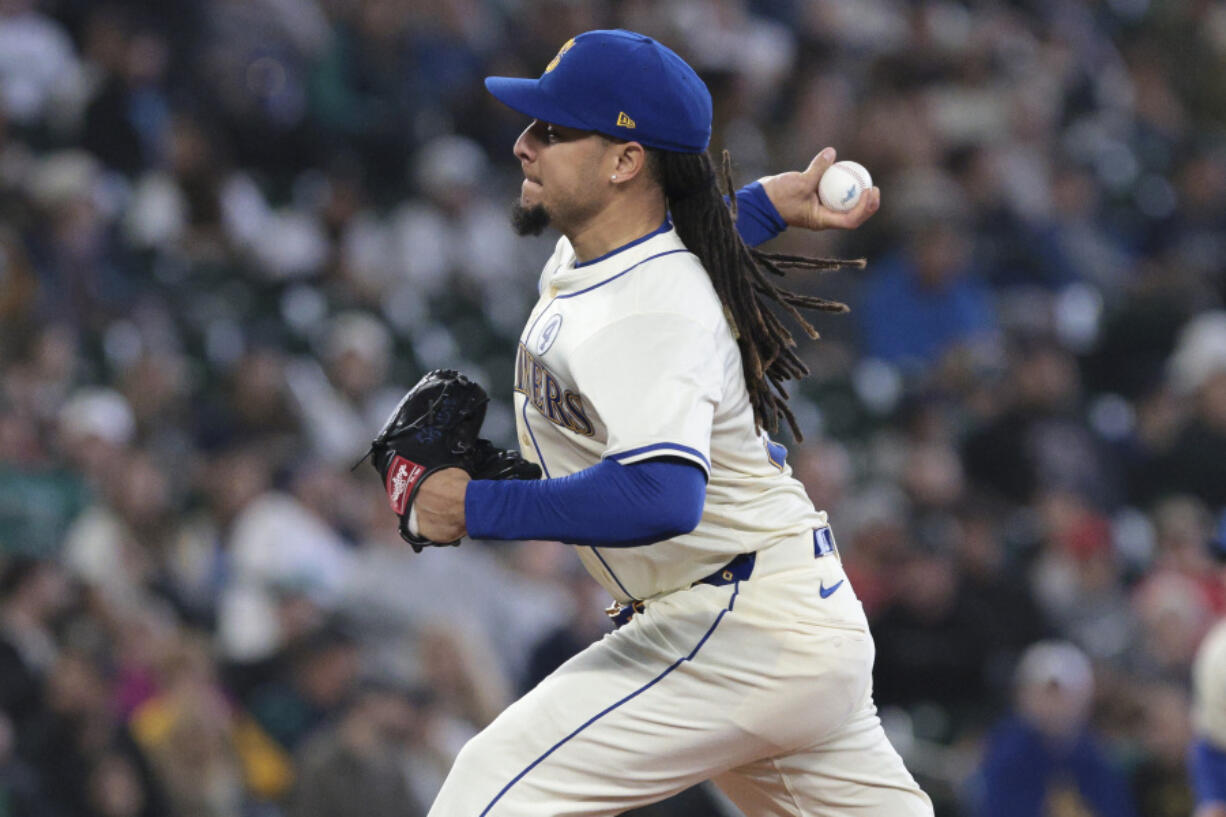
<point>744,279</point>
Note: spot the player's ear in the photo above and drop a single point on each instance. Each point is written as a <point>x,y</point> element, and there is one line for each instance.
<point>629,160</point>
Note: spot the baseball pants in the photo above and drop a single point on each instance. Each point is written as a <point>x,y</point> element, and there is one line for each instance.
<point>763,686</point>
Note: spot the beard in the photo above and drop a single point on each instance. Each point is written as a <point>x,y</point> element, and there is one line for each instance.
<point>529,220</point>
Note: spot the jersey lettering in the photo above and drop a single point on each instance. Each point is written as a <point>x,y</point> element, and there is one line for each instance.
<point>537,394</point>
<point>574,402</point>
<point>553,401</point>
<point>562,407</point>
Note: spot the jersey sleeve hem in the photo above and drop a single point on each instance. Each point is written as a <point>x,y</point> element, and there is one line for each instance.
<point>647,452</point>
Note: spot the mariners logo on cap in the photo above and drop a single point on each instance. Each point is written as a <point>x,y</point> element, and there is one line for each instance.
<point>553,63</point>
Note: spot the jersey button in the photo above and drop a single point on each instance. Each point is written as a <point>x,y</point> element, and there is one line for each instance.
<point>525,440</point>
<point>552,292</point>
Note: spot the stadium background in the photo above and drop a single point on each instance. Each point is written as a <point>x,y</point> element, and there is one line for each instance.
<point>233,231</point>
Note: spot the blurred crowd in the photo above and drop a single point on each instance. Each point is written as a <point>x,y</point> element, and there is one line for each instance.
<point>232,232</point>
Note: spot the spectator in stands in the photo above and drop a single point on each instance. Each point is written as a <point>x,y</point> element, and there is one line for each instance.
<point>1196,461</point>
<point>1039,440</point>
<point>931,649</point>
<point>1160,781</point>
<point>926,300</point>
<point>32,593</point>
<point>356,766</point>
<point>1044,759</point>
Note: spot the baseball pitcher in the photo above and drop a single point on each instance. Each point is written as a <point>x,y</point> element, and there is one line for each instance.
<point>647,380</point>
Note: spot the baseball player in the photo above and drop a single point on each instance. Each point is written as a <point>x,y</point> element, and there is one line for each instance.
<point>646,380</point>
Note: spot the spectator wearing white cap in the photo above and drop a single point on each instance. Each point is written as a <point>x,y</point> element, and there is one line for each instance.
<point>1045,759</point>
<point>38,66</point>
<point>96,426</point>
<point>345,400</point>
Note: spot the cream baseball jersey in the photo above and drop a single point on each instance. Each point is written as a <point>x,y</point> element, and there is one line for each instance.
<point>630,357</point>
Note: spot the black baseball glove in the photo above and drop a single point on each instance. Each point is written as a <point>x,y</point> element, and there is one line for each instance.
<point>435,426</point>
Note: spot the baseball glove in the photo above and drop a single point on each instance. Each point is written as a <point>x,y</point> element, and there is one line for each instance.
<point>435,426</point>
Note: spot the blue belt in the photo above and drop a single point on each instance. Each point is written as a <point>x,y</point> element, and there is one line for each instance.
<point>741,567</point>
<point>738,570</point>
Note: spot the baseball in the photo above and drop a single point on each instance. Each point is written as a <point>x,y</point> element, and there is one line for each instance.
<point>842,184</point>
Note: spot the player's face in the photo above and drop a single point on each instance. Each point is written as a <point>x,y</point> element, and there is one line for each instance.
<point>562,168</point>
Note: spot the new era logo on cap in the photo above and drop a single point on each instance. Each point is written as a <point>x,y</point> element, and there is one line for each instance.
<point>624,121</point>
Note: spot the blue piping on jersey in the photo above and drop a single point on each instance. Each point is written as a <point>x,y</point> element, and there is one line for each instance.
<point>620,274</point>
<point>634,452</point>
<point>537,320</point>
<point>629,595</point>
<point>539,456</point>
<point>610,708</point>
<point>663,228</point>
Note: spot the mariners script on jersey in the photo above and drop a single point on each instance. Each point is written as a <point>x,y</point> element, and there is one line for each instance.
<point>642,327</point>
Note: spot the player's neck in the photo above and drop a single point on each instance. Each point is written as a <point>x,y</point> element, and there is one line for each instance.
<point>621,222</point>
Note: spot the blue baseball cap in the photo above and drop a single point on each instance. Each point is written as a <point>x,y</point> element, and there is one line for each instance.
<point>618,83</point>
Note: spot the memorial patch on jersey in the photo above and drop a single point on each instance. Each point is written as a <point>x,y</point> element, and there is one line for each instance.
<point>562,407</point>
<point>402,475</point>
<point>777,454</point>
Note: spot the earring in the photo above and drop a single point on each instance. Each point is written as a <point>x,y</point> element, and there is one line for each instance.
<point>613,178</point>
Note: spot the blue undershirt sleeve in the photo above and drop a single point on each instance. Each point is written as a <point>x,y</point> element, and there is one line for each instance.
<point>1207,765</point>
<point>757,220</point>
<point>609,504</point>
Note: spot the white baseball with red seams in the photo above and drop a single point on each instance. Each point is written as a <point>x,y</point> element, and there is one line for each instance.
<point>842,185</point>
